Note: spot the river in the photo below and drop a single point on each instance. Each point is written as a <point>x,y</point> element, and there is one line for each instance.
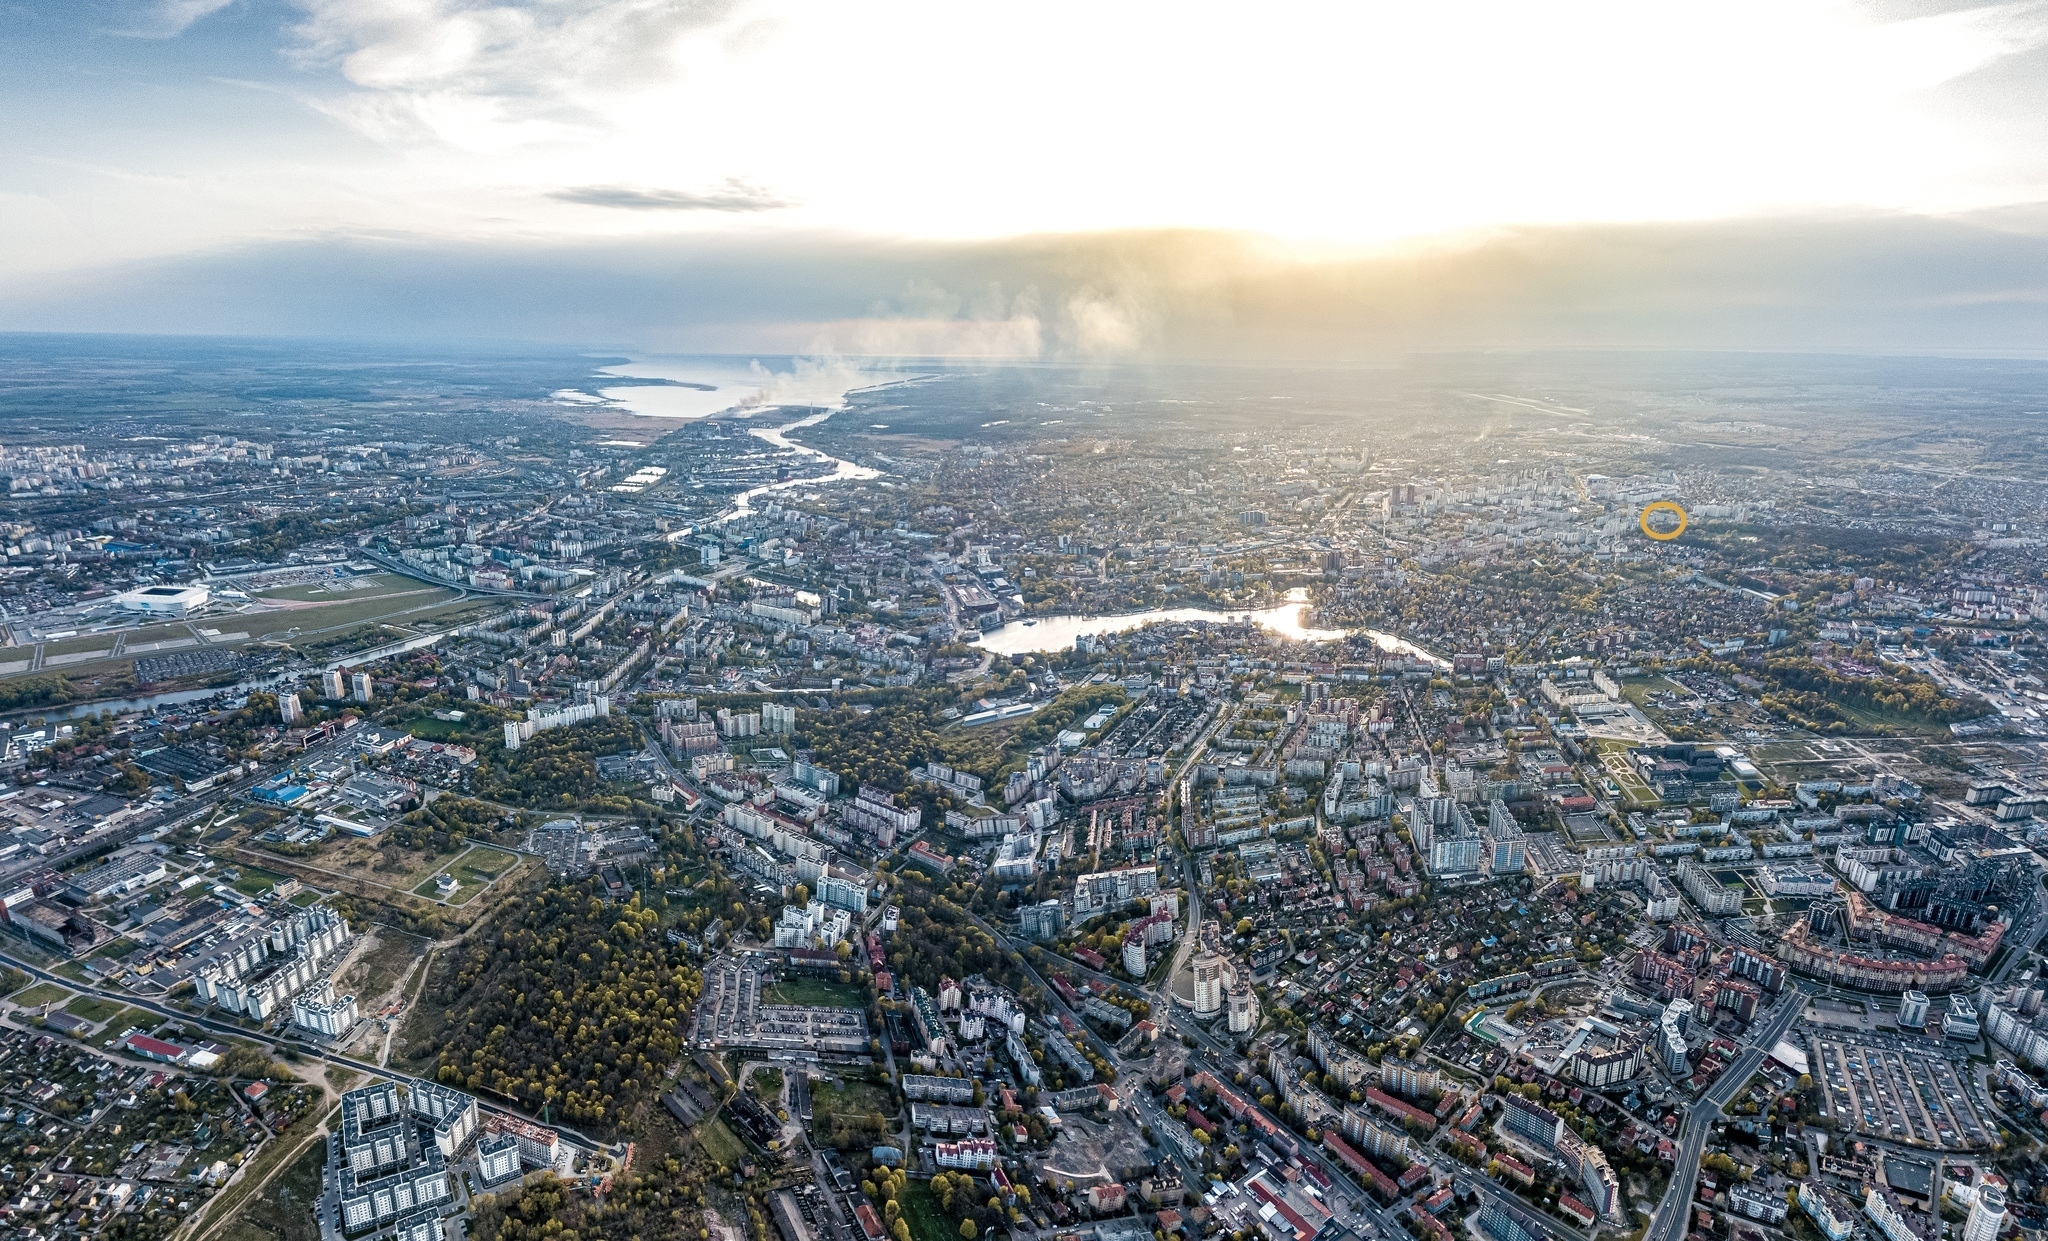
<point>779,436</point>
<point>1057,633</point>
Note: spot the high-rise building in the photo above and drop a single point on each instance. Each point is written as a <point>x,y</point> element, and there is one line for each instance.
<point>331,683</point>
<point>1533,1121</point>
<point>1208,984</point>
<point>1244,1009</point>
<point>288,707</point>
<point>1134,955</point>
<point>362,687</point>
<point>1913,1009</point>
<point>1961,1023</point>
<point>1041,923</point>
<point>1671,1037</point>
<point>1987,1215</point>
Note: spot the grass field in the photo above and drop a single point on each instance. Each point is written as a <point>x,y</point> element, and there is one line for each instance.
<point>431,889</point>
<point>410,607</point>
<point>115,948</point>
<point>369,586</point>
<point>473,869</point>
<point>93,1008</point>
<point>720,1143</point>
<point>816,992</point>
<point>366,858</point>
<point>131,1018</point>
<point>255,881</point>
<point>306,898</point>
<point>72,646</point>
<point>285,1210</point>
<point>487,861</point>
<point>431,729</point>
<point>850,1098</point>
<point>927,1221</point>
<point>41,993</point>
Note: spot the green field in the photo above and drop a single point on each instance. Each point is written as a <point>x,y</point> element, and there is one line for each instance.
<point>136,1018</point>
<point>816,992</point>
<point>93,1008</point>
<point>488,862</point>
<point>431,729</point>
<point>850,1098</point>
<point>255,881</point>
<point>720,1143</point>
<point>86,642</point>
<point>306,898</point>
<point>927,1221</point>
<point>115,948</point>
<point>474,869</point>
<point>322,592</point>
<point>431,890</point>
<point>41,993</point>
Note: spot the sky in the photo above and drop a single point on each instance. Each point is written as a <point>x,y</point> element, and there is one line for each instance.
<point>1023,180</point>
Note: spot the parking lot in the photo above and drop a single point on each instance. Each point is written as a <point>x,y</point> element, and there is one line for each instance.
<point>1892,1089</point>
<point>730,1014</point>
<point>726,1008</point>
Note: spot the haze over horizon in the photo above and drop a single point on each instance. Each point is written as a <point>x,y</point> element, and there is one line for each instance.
<point>1065,182</point>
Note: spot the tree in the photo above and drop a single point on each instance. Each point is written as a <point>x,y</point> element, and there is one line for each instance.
<point>968,1230</point>
<point>1244,926</point>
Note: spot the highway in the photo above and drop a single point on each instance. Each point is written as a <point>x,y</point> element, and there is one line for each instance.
<point>1669,1221</point>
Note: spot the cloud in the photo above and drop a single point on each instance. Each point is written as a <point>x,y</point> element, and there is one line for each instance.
<point>1870,282</point>
<point>736,196</point>
<point>167,19</point>
<point>456,70</point>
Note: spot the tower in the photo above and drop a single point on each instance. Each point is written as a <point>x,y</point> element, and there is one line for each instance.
<point>1987,1215</point>
<point>1208,984</point>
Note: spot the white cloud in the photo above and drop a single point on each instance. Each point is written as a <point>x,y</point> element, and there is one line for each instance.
<point>167,19</point>
<point>494,74</point>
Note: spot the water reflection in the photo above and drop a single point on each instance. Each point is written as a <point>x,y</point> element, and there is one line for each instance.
<point>1057,633</point>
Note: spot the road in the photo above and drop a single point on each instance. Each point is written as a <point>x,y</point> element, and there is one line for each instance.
<point>1670,1220</point>
<point>237,1032</point>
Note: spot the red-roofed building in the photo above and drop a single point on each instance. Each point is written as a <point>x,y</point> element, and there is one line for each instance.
<point>155,1049</point>
<point>1361,1167</point>
<point>1577,1210</point>
<point>870,1223</point>
<point>1399,1110</point>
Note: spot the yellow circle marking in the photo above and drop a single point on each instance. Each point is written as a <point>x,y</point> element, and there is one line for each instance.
<point>1663,506</point>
